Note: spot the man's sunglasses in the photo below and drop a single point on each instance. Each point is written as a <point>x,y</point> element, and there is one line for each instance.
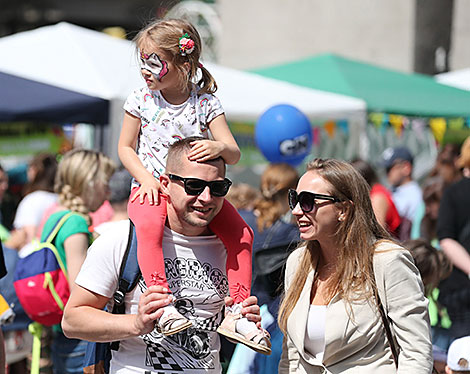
<point>307,199</point>
<point>195,186</point>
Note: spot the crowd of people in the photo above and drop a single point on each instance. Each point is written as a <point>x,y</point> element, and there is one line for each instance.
<point>332,271</point>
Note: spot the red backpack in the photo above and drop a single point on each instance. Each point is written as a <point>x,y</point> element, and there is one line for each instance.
<point>41,281</point>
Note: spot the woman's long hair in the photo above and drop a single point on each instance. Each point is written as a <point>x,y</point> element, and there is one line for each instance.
<point>356,236</point>
<point>275,182</point>
<point>77,174</point>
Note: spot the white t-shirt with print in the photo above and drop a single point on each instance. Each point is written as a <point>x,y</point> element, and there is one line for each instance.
<point>163,123</point>
<point>195,269</point>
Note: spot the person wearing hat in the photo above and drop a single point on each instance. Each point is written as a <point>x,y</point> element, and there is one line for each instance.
<point>453,231</point>
<point>406,193</point>
<point>458,356</point>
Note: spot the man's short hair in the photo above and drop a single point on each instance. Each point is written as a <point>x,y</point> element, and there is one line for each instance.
<point>179,149</point>
<point>120,186</point>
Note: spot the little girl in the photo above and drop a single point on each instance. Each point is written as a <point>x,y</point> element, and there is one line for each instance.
<point>169,108</point>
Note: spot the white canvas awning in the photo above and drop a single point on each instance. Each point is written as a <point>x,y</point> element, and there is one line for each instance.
<point>456,78</point>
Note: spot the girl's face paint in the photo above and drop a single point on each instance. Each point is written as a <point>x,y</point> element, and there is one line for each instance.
<point>153,64</point>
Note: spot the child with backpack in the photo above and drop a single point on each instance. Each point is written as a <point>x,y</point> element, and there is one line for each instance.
<point>82,186</point>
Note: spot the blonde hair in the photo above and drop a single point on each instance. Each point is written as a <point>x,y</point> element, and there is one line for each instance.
<point>274,185</point>
<point>356,235</point>
<point>76,175</point>
<point>165,35</point>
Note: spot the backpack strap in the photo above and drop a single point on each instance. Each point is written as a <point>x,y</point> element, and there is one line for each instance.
<point>58,225</point>
<point>129,275</point>
<point>50,238</point>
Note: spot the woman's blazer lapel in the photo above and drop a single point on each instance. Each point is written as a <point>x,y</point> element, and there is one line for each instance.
<point>297,322</point>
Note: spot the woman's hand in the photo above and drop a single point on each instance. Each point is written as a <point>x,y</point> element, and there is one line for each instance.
<point>151,188</point>
<point>204,150</point>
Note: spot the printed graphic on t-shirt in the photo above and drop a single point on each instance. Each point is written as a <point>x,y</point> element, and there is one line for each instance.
<point>199,291</point>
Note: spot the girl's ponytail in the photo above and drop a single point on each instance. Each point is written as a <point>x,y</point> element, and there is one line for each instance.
<point>207,82</point>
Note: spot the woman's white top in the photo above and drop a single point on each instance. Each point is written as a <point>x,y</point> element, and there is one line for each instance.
<point>315,335</point>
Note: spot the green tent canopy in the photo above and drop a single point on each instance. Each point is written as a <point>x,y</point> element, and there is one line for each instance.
<point>382,89</point>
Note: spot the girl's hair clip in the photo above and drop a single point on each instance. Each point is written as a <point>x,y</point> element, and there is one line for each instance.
<point>186,45</point>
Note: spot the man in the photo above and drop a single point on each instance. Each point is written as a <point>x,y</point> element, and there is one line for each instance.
<point>406,193</point>
<point>453,231</point>
<point>195,266</point>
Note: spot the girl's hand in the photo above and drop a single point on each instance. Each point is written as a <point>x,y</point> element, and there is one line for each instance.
<point>151,188</point>
<point>204,150</point>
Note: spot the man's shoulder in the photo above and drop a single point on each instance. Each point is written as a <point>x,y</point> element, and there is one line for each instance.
<point>116,231</point>
<point>410,189</point>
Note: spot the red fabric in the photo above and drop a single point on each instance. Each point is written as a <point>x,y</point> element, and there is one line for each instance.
<point>149,221</point>
<point>228,225</point>
<point>392,218</point>
<point>237,237</point>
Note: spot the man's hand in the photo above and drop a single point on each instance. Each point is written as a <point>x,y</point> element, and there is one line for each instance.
<point>250,309</point>
<point>150,308</point>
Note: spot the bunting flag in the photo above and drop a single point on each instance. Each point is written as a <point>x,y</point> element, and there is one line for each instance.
<point>397,123</point>
<point>438,128</point>
<point>330,128</point>
<point>343,126</point>
<point>316,135</point>
<point>456,123</point>
<point>418,125</point>
<point>377,119</point>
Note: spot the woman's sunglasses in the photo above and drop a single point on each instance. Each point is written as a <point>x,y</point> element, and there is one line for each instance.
<point>307,199</point>
<point>195,186</point>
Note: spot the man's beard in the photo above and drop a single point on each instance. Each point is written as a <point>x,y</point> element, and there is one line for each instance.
<point>197,222</point>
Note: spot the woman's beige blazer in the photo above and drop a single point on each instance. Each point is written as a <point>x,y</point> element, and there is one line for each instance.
<point>356,343</point>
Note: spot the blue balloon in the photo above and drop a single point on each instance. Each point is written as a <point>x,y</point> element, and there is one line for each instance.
<point>283,134</point>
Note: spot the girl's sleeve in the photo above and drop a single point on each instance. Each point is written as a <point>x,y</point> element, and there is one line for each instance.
<point>402,294</point>
<point>133,103</point>
<point>213,107</point>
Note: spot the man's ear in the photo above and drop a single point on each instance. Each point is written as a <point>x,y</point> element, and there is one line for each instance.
<point>164,184</point>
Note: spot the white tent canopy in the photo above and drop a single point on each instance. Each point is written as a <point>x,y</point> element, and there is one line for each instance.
<point>456,78</point>
<point>93,63</point>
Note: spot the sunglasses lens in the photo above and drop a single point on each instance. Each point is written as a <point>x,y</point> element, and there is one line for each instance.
<point>307,202</point>
<point>194,186</point>
<point>219,188</point>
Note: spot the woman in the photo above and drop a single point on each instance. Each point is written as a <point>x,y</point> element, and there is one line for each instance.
<point>82,186</point>
<point>329,313</point>
<point>38,197</point>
